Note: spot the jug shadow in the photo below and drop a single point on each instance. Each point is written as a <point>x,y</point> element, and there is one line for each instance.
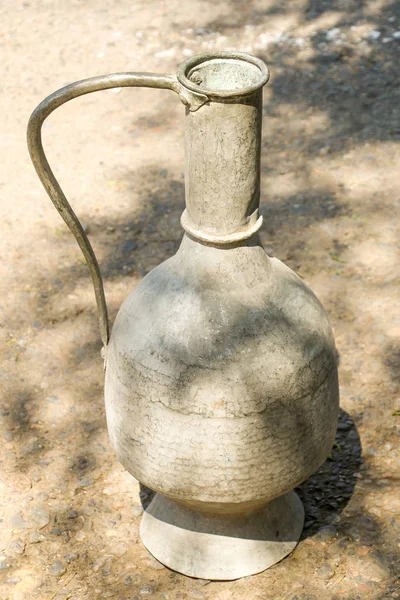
<point>328,491</point>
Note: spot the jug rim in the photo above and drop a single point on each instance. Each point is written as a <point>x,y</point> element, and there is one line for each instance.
<point>187,68</point>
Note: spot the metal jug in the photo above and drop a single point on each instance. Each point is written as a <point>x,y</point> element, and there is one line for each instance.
<point>221,384</point>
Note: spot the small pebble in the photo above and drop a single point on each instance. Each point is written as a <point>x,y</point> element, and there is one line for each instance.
<point>309,524</point>
<point>325,571</point>
<point>197,594</point>
<point>3,564</point>
<point>119,548</point>
<point>344,426</point>
<point>12,580</point>
<point>42,496</point>
<point>39,516</point>
<point>326,533</point>
<point>146,590</point>
<point>57,569</point>
<point>72,514</point>
<point>85,482</point>
<point>36,538</point>
<point>32,446</point>
<point>374,35</point>
<point>18,522</point>
<point>44,461</point>
<point>69,558</point>
<point>17,547</point>
<point>53,399</point>
<point>354,536</point>
<point>396,35</point>
<point>332,34</point>
<point>137,511</point>
<point>100,562</point>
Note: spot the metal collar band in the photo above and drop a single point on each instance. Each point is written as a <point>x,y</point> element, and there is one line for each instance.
<point>221,239</point>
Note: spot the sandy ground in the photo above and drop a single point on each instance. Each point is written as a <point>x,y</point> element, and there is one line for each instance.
<point>330,199</point>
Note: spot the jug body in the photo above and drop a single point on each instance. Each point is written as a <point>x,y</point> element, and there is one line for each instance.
<point>221,382</point>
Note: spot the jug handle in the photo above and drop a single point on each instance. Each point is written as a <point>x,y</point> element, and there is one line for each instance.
<point>34,135</point>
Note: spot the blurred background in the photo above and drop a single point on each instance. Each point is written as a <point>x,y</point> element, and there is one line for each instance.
<point>330,200</point>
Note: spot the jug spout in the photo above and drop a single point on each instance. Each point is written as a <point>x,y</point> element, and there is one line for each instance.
<point>223,143</point>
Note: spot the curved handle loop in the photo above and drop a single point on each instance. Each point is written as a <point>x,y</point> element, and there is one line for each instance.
<point>50,183</point>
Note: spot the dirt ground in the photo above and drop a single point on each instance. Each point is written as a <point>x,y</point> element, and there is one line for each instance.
<point>69,513</point>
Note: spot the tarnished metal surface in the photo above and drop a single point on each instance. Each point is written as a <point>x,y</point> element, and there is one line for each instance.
<point>221,385</point>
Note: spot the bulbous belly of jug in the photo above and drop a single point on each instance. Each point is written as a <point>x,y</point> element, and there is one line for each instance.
<point>221,379</point>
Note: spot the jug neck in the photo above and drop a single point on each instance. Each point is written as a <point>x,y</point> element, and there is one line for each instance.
<point>223,143</point>
<point>222,175</point>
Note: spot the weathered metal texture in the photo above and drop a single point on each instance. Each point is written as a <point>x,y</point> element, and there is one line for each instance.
<point>221,383</point>
<point>223,142</point>
<point>223,169</point>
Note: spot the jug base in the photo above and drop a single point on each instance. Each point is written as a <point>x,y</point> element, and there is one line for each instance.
<point>221,547</point>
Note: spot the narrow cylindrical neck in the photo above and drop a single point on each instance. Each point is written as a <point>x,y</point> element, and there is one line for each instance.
<point>223,140</point>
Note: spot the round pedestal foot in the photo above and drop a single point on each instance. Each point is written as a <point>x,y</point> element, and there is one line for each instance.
<point>221,547</point>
